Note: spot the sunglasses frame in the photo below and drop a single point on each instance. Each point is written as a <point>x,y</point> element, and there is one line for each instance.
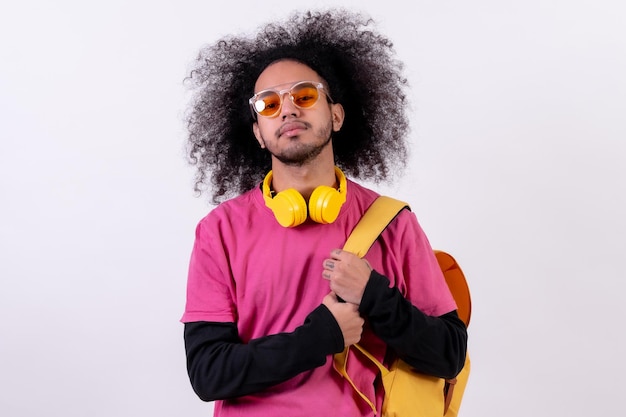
<point>281,93</point>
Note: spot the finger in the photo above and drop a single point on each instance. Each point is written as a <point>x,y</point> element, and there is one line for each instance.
<point>336,253</point>
<point>329,263</point>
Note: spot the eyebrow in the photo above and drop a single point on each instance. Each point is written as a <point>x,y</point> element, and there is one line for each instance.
<point>275,87</point>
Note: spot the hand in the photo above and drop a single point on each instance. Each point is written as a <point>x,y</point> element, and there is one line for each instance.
<point>348,318</point>
<point>348,274</point>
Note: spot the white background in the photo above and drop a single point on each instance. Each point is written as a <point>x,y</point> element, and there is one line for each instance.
<point>517,168</point>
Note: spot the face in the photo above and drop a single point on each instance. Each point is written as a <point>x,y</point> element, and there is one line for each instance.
<point>296,135</point>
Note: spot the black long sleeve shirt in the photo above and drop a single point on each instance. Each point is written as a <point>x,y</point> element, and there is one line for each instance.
<point>221,366</point>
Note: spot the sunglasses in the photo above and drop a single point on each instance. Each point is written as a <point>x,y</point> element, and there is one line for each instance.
<point>303,95</point>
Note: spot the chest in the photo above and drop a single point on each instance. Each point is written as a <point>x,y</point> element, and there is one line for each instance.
<point>278,276</point>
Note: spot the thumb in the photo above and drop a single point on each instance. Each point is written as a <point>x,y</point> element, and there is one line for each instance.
<point>330,298</point>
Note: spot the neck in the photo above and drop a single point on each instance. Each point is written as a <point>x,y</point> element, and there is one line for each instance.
<point>304,178</point>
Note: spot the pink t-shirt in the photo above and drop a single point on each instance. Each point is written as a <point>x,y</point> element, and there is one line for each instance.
<point>247,269</point>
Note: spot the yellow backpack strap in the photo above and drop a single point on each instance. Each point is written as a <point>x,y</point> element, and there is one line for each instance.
<point>377,217</point>
<point>340,361</point>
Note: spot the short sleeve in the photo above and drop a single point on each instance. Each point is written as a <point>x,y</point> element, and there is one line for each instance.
<point>210,289</point>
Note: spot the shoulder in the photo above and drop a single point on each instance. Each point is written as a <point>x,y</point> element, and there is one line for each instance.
<point>359,196</point>
<point>236,213</point>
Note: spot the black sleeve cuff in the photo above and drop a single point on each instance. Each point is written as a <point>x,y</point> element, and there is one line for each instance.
<point>322,330</point>
<point>377,288</point>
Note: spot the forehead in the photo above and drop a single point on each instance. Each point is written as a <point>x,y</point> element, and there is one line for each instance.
<point>285,72</point>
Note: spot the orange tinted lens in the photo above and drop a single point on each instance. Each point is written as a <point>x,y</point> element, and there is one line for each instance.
<point>267,104</point>
<point>304,95</point>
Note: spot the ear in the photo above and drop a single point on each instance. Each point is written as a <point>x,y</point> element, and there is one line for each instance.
<point>257,135</point>
<point>338,114</point>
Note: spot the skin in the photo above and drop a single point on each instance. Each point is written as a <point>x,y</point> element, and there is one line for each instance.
<point>300,144</point>
<point>299,140</point>
<point>348,274</point>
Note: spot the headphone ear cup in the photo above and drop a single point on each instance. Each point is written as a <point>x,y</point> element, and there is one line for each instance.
<point>324,204</point>
<point>289,208</point>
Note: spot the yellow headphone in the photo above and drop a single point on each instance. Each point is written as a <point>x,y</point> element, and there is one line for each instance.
<point>291,210</point>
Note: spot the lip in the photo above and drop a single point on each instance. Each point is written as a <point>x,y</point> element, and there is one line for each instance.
<point>290,129</point>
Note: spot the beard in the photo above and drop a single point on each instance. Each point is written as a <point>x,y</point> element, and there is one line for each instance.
<point>298,153</point>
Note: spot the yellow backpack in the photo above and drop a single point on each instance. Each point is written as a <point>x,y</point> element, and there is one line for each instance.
<point>409,393</point>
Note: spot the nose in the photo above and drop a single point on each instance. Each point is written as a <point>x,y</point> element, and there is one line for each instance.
<point>288,108</point>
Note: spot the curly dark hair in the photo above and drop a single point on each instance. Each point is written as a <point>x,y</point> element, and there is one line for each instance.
<point>359,67</point>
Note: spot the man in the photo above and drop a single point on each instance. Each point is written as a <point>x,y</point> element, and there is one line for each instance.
<point>277,119</point>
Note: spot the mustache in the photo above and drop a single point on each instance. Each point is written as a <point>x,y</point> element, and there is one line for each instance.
<point>292,124</point>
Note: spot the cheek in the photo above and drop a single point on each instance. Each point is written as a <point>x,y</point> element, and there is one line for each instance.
<point>257,134</point>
